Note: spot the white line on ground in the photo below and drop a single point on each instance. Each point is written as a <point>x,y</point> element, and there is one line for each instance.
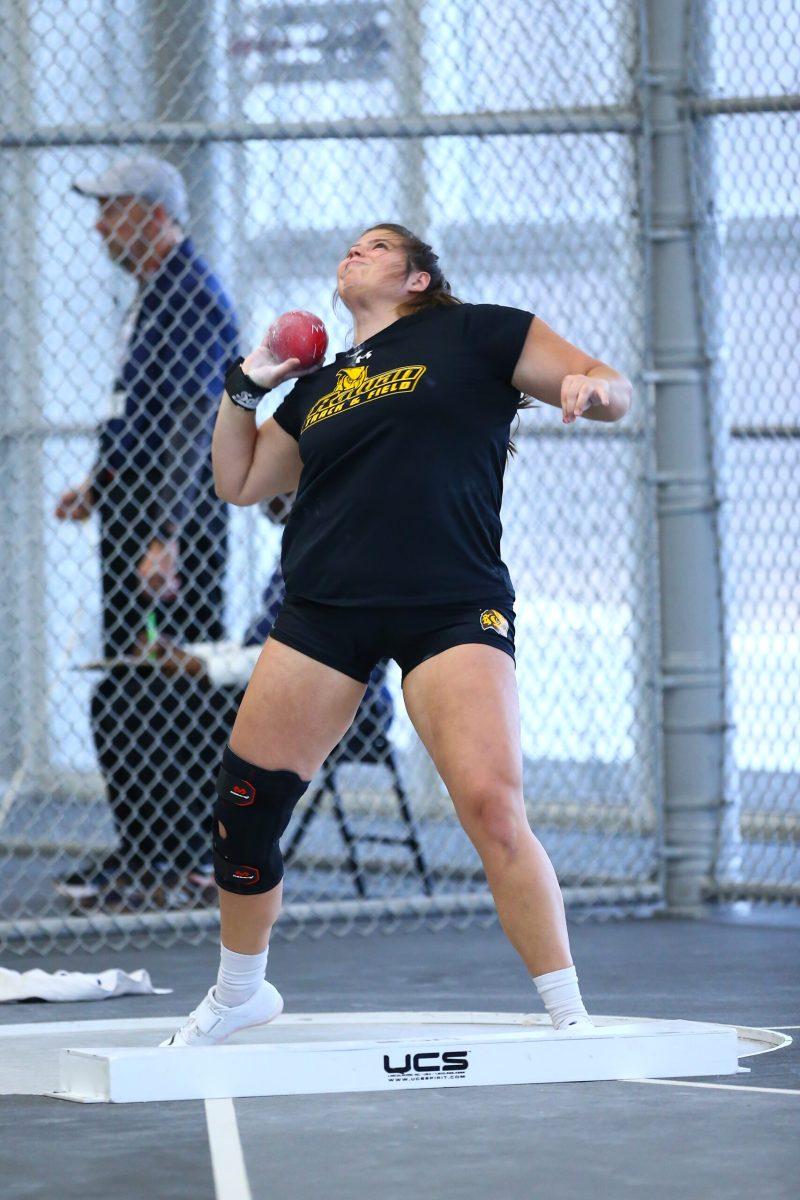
<point>724,1087</point>
<point>34,1028</point>
<point>781,1028</point>
<point>227,1159</point>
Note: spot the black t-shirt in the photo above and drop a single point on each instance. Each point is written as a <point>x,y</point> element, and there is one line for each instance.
<point>404,441</point>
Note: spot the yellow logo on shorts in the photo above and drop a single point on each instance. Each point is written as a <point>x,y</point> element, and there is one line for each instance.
<point>492,619</point>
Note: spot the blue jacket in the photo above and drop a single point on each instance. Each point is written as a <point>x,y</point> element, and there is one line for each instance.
<point>172,377</point>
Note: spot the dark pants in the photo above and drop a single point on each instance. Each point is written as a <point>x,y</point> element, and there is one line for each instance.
<point>159,739</point>
<point>159,742</point>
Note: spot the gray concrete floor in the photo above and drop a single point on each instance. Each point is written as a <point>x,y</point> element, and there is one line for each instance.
<point>564,1141</point>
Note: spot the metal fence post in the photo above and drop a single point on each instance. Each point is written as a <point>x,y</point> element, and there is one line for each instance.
<point>23,710</point>
<point>185,87</point>
<point>691,678</point>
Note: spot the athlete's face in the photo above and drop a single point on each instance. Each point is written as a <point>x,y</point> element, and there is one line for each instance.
<point>375,268</point>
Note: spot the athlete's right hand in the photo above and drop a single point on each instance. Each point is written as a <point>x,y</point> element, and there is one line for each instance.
<point>267,372</point>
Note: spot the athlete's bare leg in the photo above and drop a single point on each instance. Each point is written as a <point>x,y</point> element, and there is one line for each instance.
<point>294,712</point>
<point>464,705</point>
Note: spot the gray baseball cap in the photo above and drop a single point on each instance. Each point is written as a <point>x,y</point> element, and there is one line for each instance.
<point>145,178</point>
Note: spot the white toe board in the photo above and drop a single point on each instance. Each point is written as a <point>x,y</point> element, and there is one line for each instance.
<point>360,1052</point>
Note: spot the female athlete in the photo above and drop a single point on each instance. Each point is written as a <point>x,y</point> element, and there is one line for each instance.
<point>396,450</point>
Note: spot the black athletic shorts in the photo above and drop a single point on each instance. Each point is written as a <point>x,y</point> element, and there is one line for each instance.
<point>353,639</point>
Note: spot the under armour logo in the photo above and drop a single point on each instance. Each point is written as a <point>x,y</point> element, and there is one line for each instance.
<point>364,354</point>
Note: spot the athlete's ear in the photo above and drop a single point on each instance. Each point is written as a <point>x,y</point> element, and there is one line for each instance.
<point>419,281</point>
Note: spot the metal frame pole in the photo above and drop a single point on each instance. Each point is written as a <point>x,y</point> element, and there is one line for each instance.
<point>691,678</point>
<point>181,58</point>
<point>410,66</point>
<point>23,710</point>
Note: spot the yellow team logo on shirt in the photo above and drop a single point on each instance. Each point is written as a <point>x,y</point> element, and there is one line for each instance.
<point>354,386</point>
<point>349,378</point>
<point>492,619</point>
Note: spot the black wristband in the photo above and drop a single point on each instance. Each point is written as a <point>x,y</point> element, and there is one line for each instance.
<point>240,387</point>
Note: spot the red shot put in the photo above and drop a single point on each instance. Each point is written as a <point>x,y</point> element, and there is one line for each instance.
<point>298,334</point>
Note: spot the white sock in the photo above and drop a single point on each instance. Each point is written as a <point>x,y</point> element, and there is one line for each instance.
<point>562,997</point>
<point>239,975</point>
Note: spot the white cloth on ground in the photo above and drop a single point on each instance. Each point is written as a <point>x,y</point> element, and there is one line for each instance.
<point>75,985</point>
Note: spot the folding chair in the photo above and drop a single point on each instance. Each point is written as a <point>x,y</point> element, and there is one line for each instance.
<point>379,750</point>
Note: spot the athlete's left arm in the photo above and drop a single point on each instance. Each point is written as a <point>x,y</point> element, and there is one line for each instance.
<point>553,370</point>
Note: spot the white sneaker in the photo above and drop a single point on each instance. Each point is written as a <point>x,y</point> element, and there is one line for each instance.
<point>212,1022</point>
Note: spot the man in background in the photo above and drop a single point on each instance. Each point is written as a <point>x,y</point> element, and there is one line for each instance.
<point>163,530</point>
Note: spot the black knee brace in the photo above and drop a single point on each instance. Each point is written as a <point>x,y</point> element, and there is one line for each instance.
<point>253,808</point>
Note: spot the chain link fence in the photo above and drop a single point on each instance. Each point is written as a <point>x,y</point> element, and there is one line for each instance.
<point>744,77</point>
<point>295,126</point>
